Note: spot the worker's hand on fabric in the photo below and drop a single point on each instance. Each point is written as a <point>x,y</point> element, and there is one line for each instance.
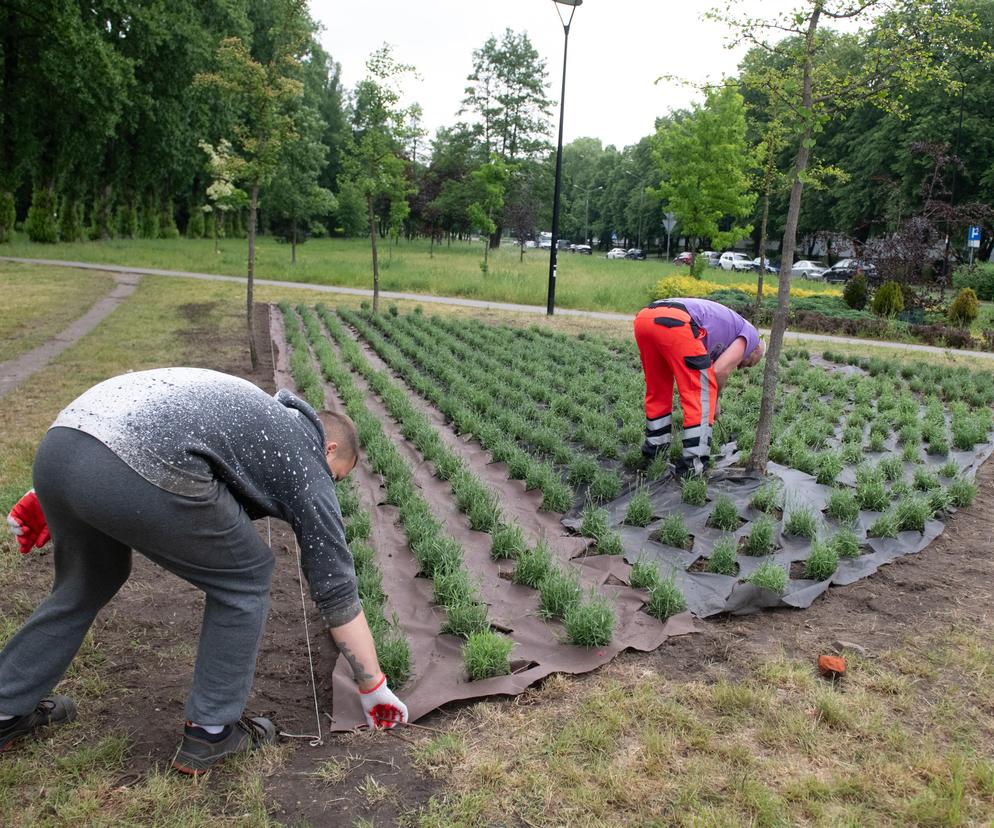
<point>382,708</point>
<point>27,521</point>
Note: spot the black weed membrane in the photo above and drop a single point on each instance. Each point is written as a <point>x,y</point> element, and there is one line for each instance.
<point>862,500</point>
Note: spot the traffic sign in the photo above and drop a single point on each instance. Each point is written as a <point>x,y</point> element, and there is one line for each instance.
<point>973,236</point>
<point>669,222</point>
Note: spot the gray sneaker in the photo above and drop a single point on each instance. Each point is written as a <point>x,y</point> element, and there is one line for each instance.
<point>198,753</point>
<point>54,710</point>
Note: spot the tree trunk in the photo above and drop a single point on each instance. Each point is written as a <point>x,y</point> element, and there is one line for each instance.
<point>376,264</point>
<point>217,246</point>
<point>486,257</point>
<point>253,216</point>
<point>293,242</point>
<point>495,237</point>
<point>521,257</point>
<point>764,428</point>
<point>764,226</point>
<point>431,245</point>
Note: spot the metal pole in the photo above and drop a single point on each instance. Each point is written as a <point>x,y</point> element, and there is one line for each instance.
<point>638,242</point>
<point>586,220</point>
<point>554,253</point>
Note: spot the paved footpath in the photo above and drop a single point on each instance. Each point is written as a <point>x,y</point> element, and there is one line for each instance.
<point>791,336</point>
<point>15,371</point>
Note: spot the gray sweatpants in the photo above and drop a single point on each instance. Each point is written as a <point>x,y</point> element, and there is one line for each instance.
<point>98,510</point>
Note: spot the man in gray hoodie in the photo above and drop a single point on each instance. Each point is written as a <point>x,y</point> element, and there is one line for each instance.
<point>176,463</point>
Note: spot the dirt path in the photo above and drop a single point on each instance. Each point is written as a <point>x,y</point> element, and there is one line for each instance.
<point>15,371</point>
<point>790,336</point>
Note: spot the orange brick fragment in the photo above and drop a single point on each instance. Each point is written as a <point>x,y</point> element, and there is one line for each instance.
<point>831,665</point>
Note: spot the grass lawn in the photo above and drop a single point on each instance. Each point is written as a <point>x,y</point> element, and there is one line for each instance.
<point>907,739</point>
<point>39,302</point>
<point>586,282</point>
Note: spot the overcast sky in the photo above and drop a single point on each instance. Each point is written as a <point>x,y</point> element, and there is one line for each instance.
<point>617,50</point>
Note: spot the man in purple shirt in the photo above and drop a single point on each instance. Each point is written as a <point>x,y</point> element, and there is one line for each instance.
<point>697,344</point>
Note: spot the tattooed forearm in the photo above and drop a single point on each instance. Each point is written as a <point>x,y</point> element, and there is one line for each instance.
<point>358,670</point>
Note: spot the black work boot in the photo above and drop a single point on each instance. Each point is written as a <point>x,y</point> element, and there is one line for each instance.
<point>200,751</point>
<point>54,710</point>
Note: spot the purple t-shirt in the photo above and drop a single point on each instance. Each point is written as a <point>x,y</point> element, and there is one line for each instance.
<point>723,326</point>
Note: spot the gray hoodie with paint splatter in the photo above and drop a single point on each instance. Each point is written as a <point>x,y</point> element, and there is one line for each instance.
<point>188,430</point>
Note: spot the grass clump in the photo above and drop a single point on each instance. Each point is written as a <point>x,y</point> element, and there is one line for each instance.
<point>962,493</point>
<point>801,523</point>
<point>486,654</point>
<point>666,599</point>
<point>949,469</point>
<point>924,480</point>
<point>694,490</point>
<point>591,623</point>
<point>769,575</point>
<point>673,532</point>
<point>533,565</point>
<point>828,467</point>
<point>594,522</point>
<point>842,505</point>
<point>822,562</point>
<point>507,542</point>
<point>464,619</point>
<point>871,493</point>
<point>767,498</point>
<point>912,513</point>
<point>759,541</point>
<point>605,486</point>
<point>845,543</point>
<point>559,592</point>
<point>645,575</point>
<point>891,468</point>
<point>724,514</point>
<point>885,526</point>
<point>640,511</point>
<point>722,560</point>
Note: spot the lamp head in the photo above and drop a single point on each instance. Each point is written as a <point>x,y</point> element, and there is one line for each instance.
<point>569,2</point>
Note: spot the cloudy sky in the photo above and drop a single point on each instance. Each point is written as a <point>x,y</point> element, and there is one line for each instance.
<point>617,50</point>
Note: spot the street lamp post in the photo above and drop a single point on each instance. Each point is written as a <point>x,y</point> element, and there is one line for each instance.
<point>554,253</point>
<point>586,209</point>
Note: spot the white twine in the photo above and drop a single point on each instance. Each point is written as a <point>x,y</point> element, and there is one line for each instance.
<point>313,741</point>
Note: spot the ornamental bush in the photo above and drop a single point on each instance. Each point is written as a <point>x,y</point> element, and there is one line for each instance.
<point>40,224</point>
<point>855,293</point>
<point>964,308</point>
<point>8,216</point>
<point>888,300</point>
<point>979,277</point>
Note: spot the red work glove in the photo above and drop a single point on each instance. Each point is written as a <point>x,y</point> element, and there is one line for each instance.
<point>382,708</point>
<point>28,522</point>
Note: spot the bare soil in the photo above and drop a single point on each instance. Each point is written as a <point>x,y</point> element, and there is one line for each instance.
<point>149,631</point>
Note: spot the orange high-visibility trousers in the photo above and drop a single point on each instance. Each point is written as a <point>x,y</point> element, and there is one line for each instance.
<point>672,349</point>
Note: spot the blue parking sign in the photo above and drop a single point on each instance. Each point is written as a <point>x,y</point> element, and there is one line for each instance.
<point>973,236</point>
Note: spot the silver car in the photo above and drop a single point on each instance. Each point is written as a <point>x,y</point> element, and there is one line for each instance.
<point>806,269</point>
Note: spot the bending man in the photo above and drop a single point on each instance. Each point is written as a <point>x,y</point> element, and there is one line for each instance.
<point>698,344</point>
<point>177,463</point>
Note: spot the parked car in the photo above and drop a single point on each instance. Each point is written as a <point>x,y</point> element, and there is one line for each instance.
<point>770,267</point>
<point>806,269</point>
<point>634,253</point>
<point>731,260</point>
<point>844,269</point>
<point>584,249</point>
<point>712,257</point>
<point>617,253</point>
<point>685,258</point>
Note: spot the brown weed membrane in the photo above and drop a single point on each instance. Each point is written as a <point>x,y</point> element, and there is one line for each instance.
<point>146,640</point>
